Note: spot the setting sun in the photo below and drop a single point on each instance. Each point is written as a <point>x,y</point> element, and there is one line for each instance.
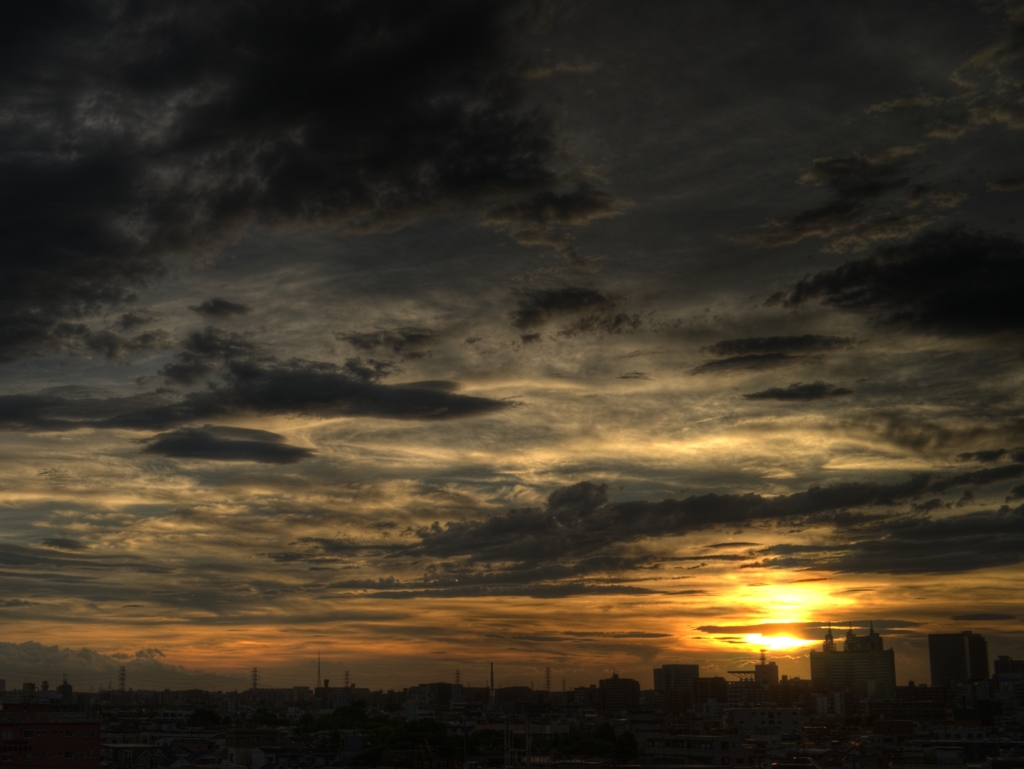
<point>777,642</point>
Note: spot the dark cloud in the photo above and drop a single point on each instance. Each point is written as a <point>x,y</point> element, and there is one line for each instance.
<point>799,391</point>
<point>406,341</point>
<point>765,352</point>
<point>981,456</point>
<point>35,661</point>
<point>226,444</point>
<point>11,603</point>
<point>142,133</point>
<point>135,318</point>
<point>935,195</point>
<point>1006,185</point>
<point>913,544</point>
<point>580,520</point>
<point>538,307</point>
<point>808,629</point>
<point>580,542</point>
<point>201,351</point>
<point>751,362</point>
<point>250,387</point>
<point>978,477</point>
<point>111,345</point>
<point>47,561</point>
<point>220,308</point>
<point>860,176</point>
<point>763,345</point>
<point>60,543</point>
<point>857,182</point>
<point>579,206</point>
<point>542,219</point>
<point>952,282</point>
<point>982,617</point>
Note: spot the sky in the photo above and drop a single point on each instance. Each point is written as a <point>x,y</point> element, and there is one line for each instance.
<point>574,335</point>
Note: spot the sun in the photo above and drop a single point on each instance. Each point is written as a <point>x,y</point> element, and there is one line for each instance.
<point>776,642</point>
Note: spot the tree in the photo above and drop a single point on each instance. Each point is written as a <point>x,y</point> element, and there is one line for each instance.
<point>626,747</point>
<point>204,717</point>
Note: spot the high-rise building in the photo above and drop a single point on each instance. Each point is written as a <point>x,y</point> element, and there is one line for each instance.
<point>1004,666</point>
<point>767,672</point>
<point>863,667</point>
<point>957,658</point>
<point>713,688</point>
<point>678,685</point>
<point>619,693</point>
<point>677,678</point>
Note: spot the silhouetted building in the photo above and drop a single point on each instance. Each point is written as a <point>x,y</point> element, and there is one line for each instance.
<point>767,672</point>
<point>712,688</point>
<point>67,694</point>
<point>864,667</point>
<point>619,693</point>
<point>28,734</point>
<point>957,658</point>
<point>1008,666</point>
<point>678,685</point>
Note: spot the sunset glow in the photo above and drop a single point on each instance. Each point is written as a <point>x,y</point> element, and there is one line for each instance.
<point>569,337</point>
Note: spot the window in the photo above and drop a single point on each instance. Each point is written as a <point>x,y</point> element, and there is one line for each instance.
<point>27,757</point>
<point>88,732</point>
<point>71,733</point>
<point>7,734</point>
<point>27,733</point>
<point>87,754</point>
<point>7,757</point>
<point>68,754</point>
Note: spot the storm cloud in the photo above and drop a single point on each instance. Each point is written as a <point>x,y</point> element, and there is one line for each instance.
<point>187,125</point>
<point>249,387</point>
<point>798,391</point>
<point>952,282</point>
<point>226,444</point>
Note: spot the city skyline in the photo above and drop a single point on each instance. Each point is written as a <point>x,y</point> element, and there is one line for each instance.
<point>569,335</point>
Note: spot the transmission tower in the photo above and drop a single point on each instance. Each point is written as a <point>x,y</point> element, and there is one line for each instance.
<point>458,679</point>
<point>547,679</point>
<point>346,679</point>
<point>255,680</point>
<point>318,684</point>
<point>122,675</point>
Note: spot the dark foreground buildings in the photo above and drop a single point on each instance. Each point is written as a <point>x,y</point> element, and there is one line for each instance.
<point>957,658</point>
<point>864,667</point>
<point>31,735</point>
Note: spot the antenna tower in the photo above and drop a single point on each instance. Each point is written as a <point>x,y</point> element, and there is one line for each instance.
<point>255,674</point>
<point>458,674</point>
<point>121,676</point>
<point>547,679</point>
<point>346,679</point>
<point>318,682</point>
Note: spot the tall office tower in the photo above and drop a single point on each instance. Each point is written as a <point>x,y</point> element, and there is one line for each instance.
<point>957,658</point>
<point>767,672</point>
<point>863,666</point>
<point>678,684</point>
<point>677,678</point>
<point>619,693</point>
